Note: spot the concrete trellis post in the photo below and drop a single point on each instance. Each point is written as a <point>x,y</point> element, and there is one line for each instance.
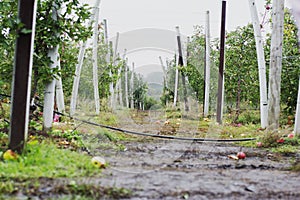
<point>79,67</point>
<point>50,86</point>
<point>207,66</point>
<point>261,65</point>
<point>296,13</point>
<point>95,60</point>
<point>275,64</point>
<point>132,87</point>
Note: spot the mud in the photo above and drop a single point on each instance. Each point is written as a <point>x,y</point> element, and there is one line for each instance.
<point>161,169</point>
<point>171,169</point>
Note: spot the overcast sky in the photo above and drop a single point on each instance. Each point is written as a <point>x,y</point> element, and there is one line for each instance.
<point>128,15</point>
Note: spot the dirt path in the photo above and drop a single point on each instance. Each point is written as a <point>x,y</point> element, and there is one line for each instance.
<point>177,170</point>
<point>168,169</point>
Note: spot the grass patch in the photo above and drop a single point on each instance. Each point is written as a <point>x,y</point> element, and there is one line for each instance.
<point>64,189</point>
<point>46,160</point>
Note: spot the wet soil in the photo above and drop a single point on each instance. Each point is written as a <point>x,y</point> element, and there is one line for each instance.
<point>171,169</point>
<point>178,170</point>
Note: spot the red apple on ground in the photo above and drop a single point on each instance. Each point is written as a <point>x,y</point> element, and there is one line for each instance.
<point>241,155</point>
<point>291,135</point>
<point>259,144</point>
<point>281,140</point>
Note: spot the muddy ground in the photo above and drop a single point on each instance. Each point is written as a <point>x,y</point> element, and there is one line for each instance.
<point>180,170</point>
<point>170,169</point>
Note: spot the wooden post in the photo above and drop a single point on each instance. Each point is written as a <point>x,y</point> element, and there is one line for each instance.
<point>221,66</point>
<point>296,13</point>
<point>180,63</point>
<point>207,66</point>
<point>22,77</point>
<point>275,64</point>
<point>297,117</point>
<point>261,65</point>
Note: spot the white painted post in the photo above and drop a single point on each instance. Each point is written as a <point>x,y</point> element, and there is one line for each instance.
<point>95,60</point>
<point>275,64</point>
<point>176,87</point>
<point>120,81</point>
<point>164,71</point>
<point>132,87</point>
<point>126,83</point>
<point>50,86</point>
<point>79,67</point>
<point>207,66</point>
<point>296,13</point>
<point>108,61</point>
<point>59,91</point>
<point>261,65</point>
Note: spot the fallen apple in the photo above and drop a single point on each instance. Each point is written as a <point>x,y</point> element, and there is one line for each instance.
<point>99,162</point>
<point>10,155</point>
<point>259,144</point>
<point>291,135</point>
<point>281,140</point>
<point>241,155</point>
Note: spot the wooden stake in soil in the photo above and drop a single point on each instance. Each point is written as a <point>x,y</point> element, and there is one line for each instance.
<point>22,77</point>
<point>221,66</point>
<point>180,63</point>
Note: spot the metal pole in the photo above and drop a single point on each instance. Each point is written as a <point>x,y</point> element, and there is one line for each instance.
<point>221,66</point>
<point>22,77</point>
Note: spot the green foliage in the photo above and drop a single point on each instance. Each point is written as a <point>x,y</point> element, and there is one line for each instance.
<point>195,68</point>
<point>65,30</point>
<point>241,74</point>
<point>8,26</point>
